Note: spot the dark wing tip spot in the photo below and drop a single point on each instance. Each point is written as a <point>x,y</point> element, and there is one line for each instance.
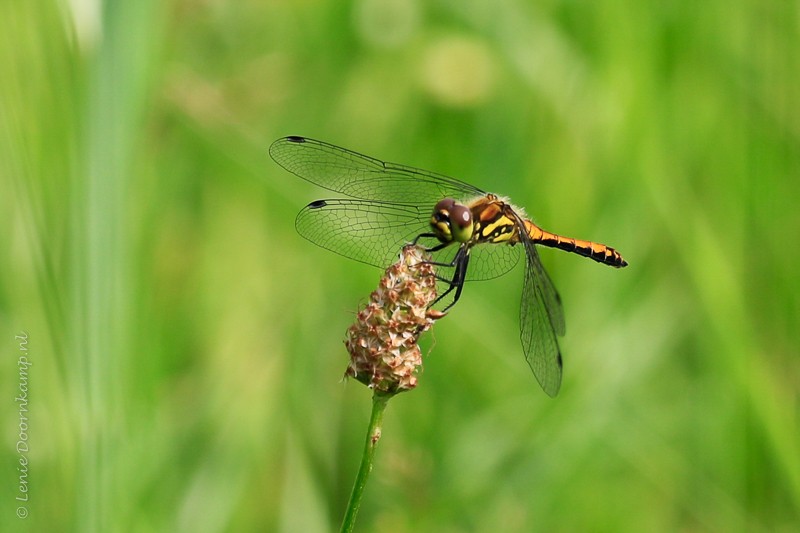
<point>317,204</point>
<point>560,361</point>
<point>296,139</point>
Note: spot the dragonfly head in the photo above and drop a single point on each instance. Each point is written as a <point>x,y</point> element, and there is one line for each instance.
<point>452,221</point>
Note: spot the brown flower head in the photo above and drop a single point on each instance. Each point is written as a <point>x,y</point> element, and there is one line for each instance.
<point>384,354</point>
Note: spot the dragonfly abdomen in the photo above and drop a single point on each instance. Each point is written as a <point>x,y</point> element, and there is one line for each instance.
<point>593,250</point>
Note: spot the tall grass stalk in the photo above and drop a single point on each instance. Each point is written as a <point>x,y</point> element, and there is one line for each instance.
<point>379,402</point>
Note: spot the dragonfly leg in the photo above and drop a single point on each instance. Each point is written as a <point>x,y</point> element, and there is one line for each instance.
<point>452,263</point>
<point>430,235</point>
<point>432,249</point>
<point>460,261</point>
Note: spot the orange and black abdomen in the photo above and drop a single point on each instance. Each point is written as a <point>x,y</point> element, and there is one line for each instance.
<point>599,252</point>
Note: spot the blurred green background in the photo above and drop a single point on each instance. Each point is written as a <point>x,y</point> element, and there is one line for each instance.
<point>187,343</point>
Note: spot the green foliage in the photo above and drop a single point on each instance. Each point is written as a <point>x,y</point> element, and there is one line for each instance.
<point>187,343</point>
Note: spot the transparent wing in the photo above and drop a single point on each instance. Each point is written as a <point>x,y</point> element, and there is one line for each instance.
<point>373,233</point>
<point>367,178</point>
<point>370,232</point>
<point>541,319</point>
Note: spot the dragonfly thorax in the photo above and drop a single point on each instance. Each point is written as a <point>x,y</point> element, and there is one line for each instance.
<point>452,221</point>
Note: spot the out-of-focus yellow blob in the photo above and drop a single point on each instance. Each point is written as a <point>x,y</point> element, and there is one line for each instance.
<point>457,71</point>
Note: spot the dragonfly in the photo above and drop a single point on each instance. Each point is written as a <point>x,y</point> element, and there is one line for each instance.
<point>478,235</point>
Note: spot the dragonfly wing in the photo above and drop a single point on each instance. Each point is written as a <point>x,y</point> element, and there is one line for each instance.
<point>489,261</point>
<point>369,232</point>
<point>541,319</point>
<point>364,177</point>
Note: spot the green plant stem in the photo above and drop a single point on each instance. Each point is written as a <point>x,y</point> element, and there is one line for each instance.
<point>379,401</point>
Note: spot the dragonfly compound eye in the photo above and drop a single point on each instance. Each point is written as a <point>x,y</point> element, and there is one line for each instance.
<point>440,220</point>
<point>444,205</point>
<point>452,221</point>
<point>461,222</point>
